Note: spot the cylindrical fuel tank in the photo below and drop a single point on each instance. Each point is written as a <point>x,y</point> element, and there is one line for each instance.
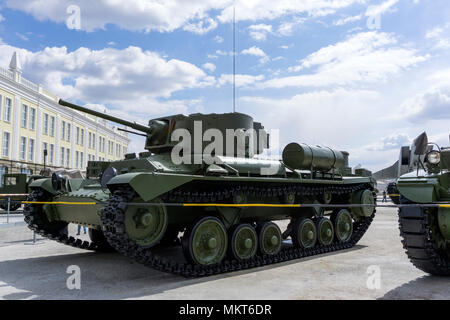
<point>301,156</point>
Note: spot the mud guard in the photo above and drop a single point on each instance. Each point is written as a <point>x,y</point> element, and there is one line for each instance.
<point>45,184</point>
<point>149,185</point>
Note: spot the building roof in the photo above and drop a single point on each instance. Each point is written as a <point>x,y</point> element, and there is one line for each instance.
<point>15,64</point>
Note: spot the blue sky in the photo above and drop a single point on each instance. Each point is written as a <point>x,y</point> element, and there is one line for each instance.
<point>364,76</point>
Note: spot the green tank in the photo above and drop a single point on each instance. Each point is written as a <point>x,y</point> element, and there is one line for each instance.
<point>183,207</point>
<point>424,217</point>
<point>17,185</point>
<point>392,192</point>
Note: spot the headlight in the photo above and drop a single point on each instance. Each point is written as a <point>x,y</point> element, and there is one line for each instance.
<point>107,175</point>
<point>57,181</point>
<point>434,157</point>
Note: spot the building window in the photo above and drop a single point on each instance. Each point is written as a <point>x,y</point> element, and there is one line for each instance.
<point>68,132</point>
<point>63,131</point>
<point>5,147</point>
<point>3,170</point>
<point>32,119</point>
<point>30,150</point>
<point>68,158</point>
<point>24,115</point>
<point>62,156</point>
<point>52,154</point>
<point>90,140</point>
<point>77,154</point>
<point>44,147</point>
<point>52,126</point>
<point>81,160</point>
<point>93,141</point>
<point>8,105</point>
<point>77,139</point>
<point>82,137</point>
<point>103,145</point>
<point>28,172</point>
<point>45,123</point>
<point>23,148</point>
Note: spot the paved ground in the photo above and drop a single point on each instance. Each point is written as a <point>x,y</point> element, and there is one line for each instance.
<point>39,272</point>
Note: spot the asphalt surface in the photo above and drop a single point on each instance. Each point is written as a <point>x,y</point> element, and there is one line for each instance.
<point>377,268</point>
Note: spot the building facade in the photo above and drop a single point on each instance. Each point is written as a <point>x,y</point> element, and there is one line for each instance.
<point>32,121</point>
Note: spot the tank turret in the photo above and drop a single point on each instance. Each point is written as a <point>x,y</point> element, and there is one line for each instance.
<point>202,128</point>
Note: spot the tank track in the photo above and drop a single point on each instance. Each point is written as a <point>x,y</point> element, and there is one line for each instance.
<point>113,221</point>
<point>32,219</point>
<point>416,230</point>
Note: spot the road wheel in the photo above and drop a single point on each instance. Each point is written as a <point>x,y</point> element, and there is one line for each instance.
<point>343,224</point>
<point>270,240</point>
<point>304,233</point>
<point>206,242</point>
<point>243,242</point>
<point>325,231</point>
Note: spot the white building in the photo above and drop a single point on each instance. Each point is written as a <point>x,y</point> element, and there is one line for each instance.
<point>31,121</point>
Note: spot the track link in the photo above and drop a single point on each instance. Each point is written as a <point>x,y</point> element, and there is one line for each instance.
<point>113,221</point>
<point>415,225</point>
<point>36,220</point>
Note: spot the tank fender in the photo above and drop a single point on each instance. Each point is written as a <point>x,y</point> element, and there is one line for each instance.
<point>149,185</point>
<point>419,190</point>
<point>45,184</point>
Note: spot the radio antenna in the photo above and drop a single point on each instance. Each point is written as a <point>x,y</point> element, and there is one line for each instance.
<point>234,58</point>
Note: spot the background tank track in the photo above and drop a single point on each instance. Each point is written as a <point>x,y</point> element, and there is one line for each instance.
<point>113,221</point>
<point>33,218</point>
<point>415,229</point>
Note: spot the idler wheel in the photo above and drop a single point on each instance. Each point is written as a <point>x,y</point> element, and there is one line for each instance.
<point>206,242</point>
<point>243,242</point>
<point>325,231</point>
<point>146,225</point>
<point>270,239</point>
<point>343,224</point>
<point>304,233</point>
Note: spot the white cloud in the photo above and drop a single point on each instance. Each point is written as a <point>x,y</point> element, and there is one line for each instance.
<point>166,16</point>
<point>440,35</point>
<point>257,52</point>
<point>287,28</point>
<point>391,142</point>
<point>269,9</point>
<point>202,26</point>
<point>221,53</point>
<point>259,31</point>
<point>218,39</point>
<point>334,118</point>
<point>376,10</point>
<point>362,58</point>
<point>346,20</point>
<point>242,80</point>
<point>130,79</point>
<point>285,47</point>
<point>209,66</point>
<point>434,104</point>
<point>22,36</point>
<point>2,18</point>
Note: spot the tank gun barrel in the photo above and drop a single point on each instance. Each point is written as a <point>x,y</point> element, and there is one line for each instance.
<point>130,124</point>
